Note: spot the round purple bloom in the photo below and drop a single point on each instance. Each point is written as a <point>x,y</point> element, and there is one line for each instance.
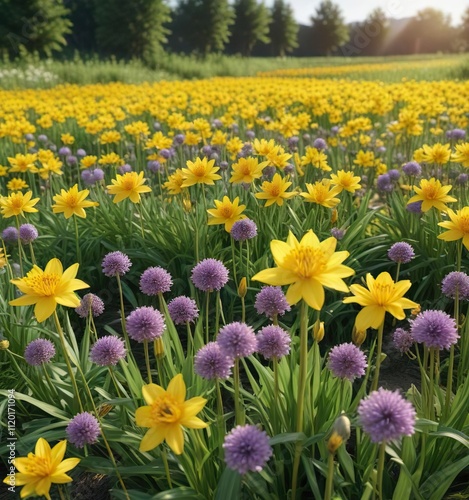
<point>462,179</point>
<point>250,134</point>
<point>268,172</point>
<point>247,448</point>
<point>347,361</point>
<point>108,350</point>
<point>211,362</point>
<point>384,183</point>
<point>115,263</point>
<point>223,166</point>
<point>386,416</point>
<point>273,342</point>
<point>435,329</point>
<point>154,166</point>
<point>39,351</point>
<point>65,151</point>
<point>415,207</point>
<point>320,144</point>
<point>337,233</point>
<point>403,340</point>
<point>183,309</point>
<point>155,280</point>
<point>412,169</point>
<point>81,153</point>
<point>71,160</point>
<point>42,138</point>
<point>289,169</point>
<point>209,275</point>
<point>456,134</point>
<point>90,303</point>
<point>10,234</point>
<point>237,340</point>
<point>125,168</point>
<point>456,283</point>
<point>98,174</point>
<point>28,233</point>
<point>179,139</point>
<point>401,252</point>
<point>244,229</point>
<point>145,323</point>
<point>87,177</point>
<point>83,429</point>
<point>394,174</point>
<point>271,301</point>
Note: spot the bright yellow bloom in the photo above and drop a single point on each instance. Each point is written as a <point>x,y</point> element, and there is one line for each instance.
<point>167,413</point>
<point>3,258</point>
<point>432,194</point>
<point>316,158</point>
<point>130,185</point>
<point>17,203</point>
<point>16,184</point>
<point>458,226</point>
<point>246,170</point>
<point>346,181</point>
<point>219,138</point>
<point>67,139</point>
<point>110,137</point>
<point>278,158</point>
<point>307,266</point>
<point>3,171</point>
<point>365,159</point>
<point>39,470</point>
<point>174,182</point>
<point>51,166</point>
<point>72,202</point>
<point>227,212</point>
<point>263,147</point>
<point>275,191</point>
<point>48,288</point>
<point>159,141</point>
<point>383,295</point>
<point>321,193</point>
<point>192,139</point>
<point>22,163</point>
<point>234,146</point>
<point>138,129</point>
<point>200,172</point>
<point>88,161</point>
<point>438,153</point>
<point>111,159</point>
<point>461,155</point>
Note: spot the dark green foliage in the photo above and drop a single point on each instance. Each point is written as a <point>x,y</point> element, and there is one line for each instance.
<point>28,26</point>
<point>328,28</point>
<point>83,36</point>
<point>283,29</point>
<point>369,37</point>
<point>251,25</point>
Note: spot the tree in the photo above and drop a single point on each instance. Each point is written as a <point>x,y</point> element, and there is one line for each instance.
<point>283,30</point>
<point>82,16</point>
<point>33,26</point>
<point>328,27</point>
<point>369,37</point>
<point>251,25</point>
<point>132,29</point>
<point>202,26</point>
<point>464,29</point>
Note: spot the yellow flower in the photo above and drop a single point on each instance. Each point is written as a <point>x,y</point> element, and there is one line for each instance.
<point>346,181</point>
<point>109,137</point>
<point>246,170</point>
<point>234,146</point>
<point>16,184</point>
<point>48,288</point>
<point>227,212</point>
<point>307,266</point>
<point>3,258</point>
<point>67,139</point>
<point>3,171</point>
<point>192,139</point>
<point>383,295</point>
<point>17,203</point>
<point>275,191</point>
<point>167,413</point>
<point>22,163</point>
<point>278,158</point>
<point>159,141</point>
<point>52,166</point>
<point>432,194</point>
<point>438,153</point>
<point>322,194</point>
<point>365,159</point>
<point>316,158</point>
<point>130,185</point>
<point>111,159</point>
<point>263,147</point>
<point>461,155</point>
<point>174,182</point>
<point>200,172</point>
<point>458,226</point>
<point>72,202</point>
<point>88,161</point>
<point>39,470</point>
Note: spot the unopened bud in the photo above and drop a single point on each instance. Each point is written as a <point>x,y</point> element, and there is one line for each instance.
<point>334,443</point>
<point>158,348</point>
<point>340,433</point>
<point>358,336</point>
<point>318,331</point>
<point>334,216</point>
<point>242,288</point>
<point>187,205</point>
<point>415,311</point>
<point>4,345</point>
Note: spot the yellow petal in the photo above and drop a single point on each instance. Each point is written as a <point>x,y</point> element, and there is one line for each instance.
<point>24,300</point>
<point>151,392</point>
<point>275,276</point>
<point>143,416</point>
<point>175,439</point>
<point>45,307</point>
<point>153,437</point>
<point>193,423</point>
<point>177,388</point>
<point>294,293</point>
<point>313,294</point>
<point>370,317</point>
<point>70,272</point>
<point>43,486</point>
<point>65,466</point>
<point>42,448</point>
<point>279,250</point>
<point>58,453</point>
<point>54,266</point>
<point>193,406</point>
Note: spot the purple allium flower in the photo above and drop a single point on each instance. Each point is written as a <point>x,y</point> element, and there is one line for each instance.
<point>209,275</point>
<point>347,361</point>
<point>250,135</point>
<point>154,166</point>
<point>28,233</point>
<point>123,169</point>
<point>115,263</point>
<point>166,153</point>
<point>401,252</point>
<point>456,134</point>
<point>244,229</point>
<point>456,282</point>
<point>271,301</point>
<point>179,139</point>
<point>39,351</point>
<point>183,309</point>
<point>217,123</point>
<point>29,137</point>
<point>237,340</point>
<point>306,137</point>
<point>320,144</point>
<point>289,169</point>
<point>384,183</point>
<point>155,280</point>
<point>211,362</point>
<point>386,416</point>
<point>273,342</point>
<point>87,177</point>
<point>108,350</point>
<point>10,234</point>
<point>71,160</point>
<point>412,169</point>
<point>42,138</point>
<point>415,207</point>
<point>337,233</point>
<point>247,448</point>
<point>83,429</point>
<point>65,151</point>
<point>223,166</point>
<point>435,329</point>
<point>462,179</point>
<point>403,340</point>
<point>90,303</point>
<point>98,174</point>
<point>207,150</point>
<point>268,172</point>
<point>145,323</point>
<point>394,174</point>
<point>81,153</point>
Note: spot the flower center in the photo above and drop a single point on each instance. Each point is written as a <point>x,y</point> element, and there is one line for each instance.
<point>306,262</point>
<point>430,192</point>
<point>199,170</point>
<point>382,292</point>
<point>38,466</point>
<point>71,200</point>
<point>226,211</point>
<point>128,184</point>
<point>17,201</point>
<point>464,224</point>
<point>44,284</point>
<point>166,410</point>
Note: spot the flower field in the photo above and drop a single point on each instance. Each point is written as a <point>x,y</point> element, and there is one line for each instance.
<point>201,282</point>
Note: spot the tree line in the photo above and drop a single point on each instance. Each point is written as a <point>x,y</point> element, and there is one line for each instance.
<point>144,28</point>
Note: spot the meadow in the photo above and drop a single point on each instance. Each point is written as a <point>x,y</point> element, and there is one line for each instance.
<point>205,267</point>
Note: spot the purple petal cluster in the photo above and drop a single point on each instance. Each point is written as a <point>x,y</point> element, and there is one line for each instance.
<point>456,283</point>
<point>403,340</point>
<point>209,275</point>
<point>116,263</point>
<point>347,361</point>
<point>271,301</point>
<point>183,309</point>
<point>144,324</point>
<point>435,329</point>
<point>155,280</point>
<point>28,233</point>
<point>211,362</point>
<point>108,351</point>
<point>90,303</point>
<point>401,252</point>
<point>39,351</point>
<point>244,229</point>
<point>83,429</point>
<point>273,342</point>
<point>237,340</point>
<point>10,234</point>
<point>412,169</point>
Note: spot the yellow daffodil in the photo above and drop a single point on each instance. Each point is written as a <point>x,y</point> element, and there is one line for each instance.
<point>167,413</point>
<point>438,153</point>
<point>321,193</point>
<point>48,288</point>
<point>202,171</point>
<point>72,202</point>
<point>461,155</point>
<point>227,212</point>
<point>346,181</point>
<point>39,470</point>
<point>275,191</point>
<point>246,170</point>
<point>130,185</point>
<point>17,203</point>
<point>458,226</point>
<point>432,194</point>
<point>382,295</point>
<point>307,266</point>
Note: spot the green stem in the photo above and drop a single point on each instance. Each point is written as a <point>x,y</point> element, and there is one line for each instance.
<point>190,340</point>
<point>381,456</point>
<point>20,257</point>
<point>114,381</point>
<point>233,258</point>
<point>31,250</point>
<point>166,467</point>
<point>124,329</point>
<point>431,405</point>
<point>49,381</point>
<point>207,305</point>
<point>330,477</point>
<point>239,413</point>
<point>140,216</point>
<point>147,360</point>
<point>449,383</point>
<point>276,407</point>
<point>217,312</point>
<point>375,383</point>
<point>220,419</point>
<point>77,246</point>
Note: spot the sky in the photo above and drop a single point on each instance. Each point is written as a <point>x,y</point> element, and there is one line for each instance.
<point>358,10</point>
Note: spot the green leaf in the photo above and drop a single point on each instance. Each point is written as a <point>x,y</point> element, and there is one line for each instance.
<point>177,493</point>
<point>229,486</point>
<point>438,483</point>
<point>287,437</point>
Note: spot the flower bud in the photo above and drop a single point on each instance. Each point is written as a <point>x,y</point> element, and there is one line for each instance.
<point>187,205</point>
<point>340,433</point>
<point>4,345</point>
<point>334,216</point>
<point>242,288</point>
<point>358,336</point>
<point>158,348</point>
<point>318,331</point>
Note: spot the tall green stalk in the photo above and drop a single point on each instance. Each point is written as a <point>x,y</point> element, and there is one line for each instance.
<point>375,383</point>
